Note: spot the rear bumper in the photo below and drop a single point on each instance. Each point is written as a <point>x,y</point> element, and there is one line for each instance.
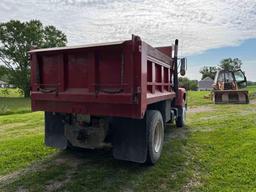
<point>120,105</point>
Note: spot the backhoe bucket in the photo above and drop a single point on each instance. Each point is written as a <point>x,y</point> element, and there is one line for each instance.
<point>230,96</point>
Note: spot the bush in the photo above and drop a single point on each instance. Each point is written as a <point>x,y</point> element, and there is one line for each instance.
<point>184,82</point>
<point>5,92</point>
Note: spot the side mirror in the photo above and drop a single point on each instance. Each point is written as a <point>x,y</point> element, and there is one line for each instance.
<point>183,66</point>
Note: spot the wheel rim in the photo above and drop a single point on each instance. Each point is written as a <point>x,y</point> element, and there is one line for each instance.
<point>184,114</point>
<point>158,137</point>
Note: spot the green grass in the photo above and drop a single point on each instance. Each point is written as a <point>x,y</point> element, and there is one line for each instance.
<point>11,101</point>
<point>196,98</point>
<point>252,92</point>
<point>98,171</point>
<point>214,152</point>
<point>224,144</point>
<point>21,141</point>
<point>252,88</point>
<point>11,105</point>
<point>10,92</point>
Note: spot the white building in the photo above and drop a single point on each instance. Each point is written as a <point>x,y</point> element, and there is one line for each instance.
<point>205,84</point>
<point>3,84</point>
<point>6,85</point>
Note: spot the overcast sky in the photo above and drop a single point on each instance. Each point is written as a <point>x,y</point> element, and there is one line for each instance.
<point>199,24</point>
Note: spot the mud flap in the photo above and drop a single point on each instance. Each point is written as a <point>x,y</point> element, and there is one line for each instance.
<point>54,131</point>
<point>129,139</point>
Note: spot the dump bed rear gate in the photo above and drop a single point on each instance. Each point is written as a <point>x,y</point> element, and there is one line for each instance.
<point>67,80</point>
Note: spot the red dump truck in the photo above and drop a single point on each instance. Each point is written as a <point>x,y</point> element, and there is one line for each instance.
<point>120,94</point>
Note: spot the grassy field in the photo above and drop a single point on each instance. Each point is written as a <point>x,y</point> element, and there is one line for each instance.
<point>11,101</point>
<point>7,92</point>
<point>21,141</point>
<point>14,105</point>
<point>252,92</point>
<point>214,152</point>
<point>196,98</point>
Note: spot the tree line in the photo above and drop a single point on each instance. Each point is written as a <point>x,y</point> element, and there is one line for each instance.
<point>228,64</point>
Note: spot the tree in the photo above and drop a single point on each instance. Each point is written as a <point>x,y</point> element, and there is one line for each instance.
<point>225,64</point>
<point>4,73</point>
<point>3,70</point>
<point>16,39</point>
<point>208,72</point>
<point>230,64</point>
<point>187,83</point>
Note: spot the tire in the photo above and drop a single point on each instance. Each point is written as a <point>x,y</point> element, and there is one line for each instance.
<point>155,135</point>
<point>181,119</point>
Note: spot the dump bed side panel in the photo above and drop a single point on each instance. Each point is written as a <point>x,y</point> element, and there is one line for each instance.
<point>157,71</point>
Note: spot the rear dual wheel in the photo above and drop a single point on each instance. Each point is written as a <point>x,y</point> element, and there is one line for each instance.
<point>155,133</point>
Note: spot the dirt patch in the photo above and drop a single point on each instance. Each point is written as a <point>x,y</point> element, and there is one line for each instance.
<point>10,176</point>
<point>70,160</point>
<point>176,133</point>
<point>37,166</point>
<point>200,109</point>
<point>73,163</point>
<point>20,189</point>
<point>11,126</point>
<point>195,179</point>
<point>194,182</point>
<point>203,129</point>
<point>172,132</point>
<point>127,190</point>
<point>56,185</point>
<point>253,102</point>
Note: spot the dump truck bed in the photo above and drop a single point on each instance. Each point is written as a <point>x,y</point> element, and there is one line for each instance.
<point>114,79</point>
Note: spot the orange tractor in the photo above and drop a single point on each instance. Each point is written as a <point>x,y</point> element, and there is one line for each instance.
<point>229,87</point>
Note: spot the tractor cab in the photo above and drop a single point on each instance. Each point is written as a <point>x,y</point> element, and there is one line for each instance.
<point>229,80</point>
<point>226,87</point>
